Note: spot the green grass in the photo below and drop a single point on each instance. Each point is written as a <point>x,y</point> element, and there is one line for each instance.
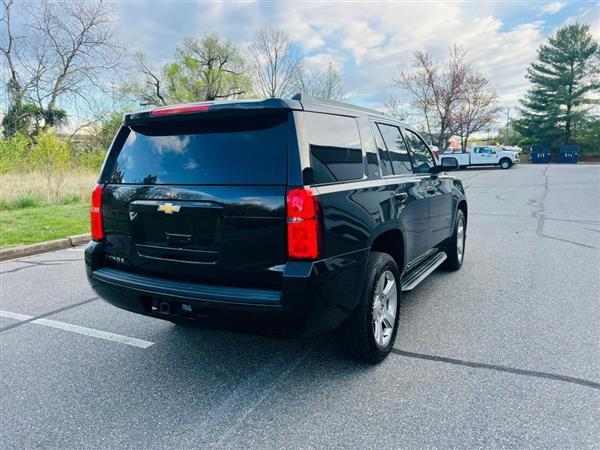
<point>42,223</point>
<point>25,202</point>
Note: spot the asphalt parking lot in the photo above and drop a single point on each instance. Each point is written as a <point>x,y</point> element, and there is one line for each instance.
<point>504,353</point>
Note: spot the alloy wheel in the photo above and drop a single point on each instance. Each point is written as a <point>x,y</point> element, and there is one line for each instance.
<point>460,238</point>
<point>385,308</point>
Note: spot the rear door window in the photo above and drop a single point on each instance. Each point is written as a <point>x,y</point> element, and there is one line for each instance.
<point>384,157</point>
<point>228,150</point>
<point>335,150</point>
<point>422,158</point>
<point>397,149</point>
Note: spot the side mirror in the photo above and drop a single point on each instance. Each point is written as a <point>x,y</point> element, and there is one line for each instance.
<point>448,164</point>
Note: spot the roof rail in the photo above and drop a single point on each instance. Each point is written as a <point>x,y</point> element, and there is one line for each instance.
<point>305,97</point>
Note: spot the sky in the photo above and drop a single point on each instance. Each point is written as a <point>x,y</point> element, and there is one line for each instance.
<point>369,43</point>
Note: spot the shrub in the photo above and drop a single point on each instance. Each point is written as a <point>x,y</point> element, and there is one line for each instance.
<point>27,202</point>
<point>12,152</point>
<point>71,200</point>
<point>52,158</point>
<point>20,203</point>
<point>91,160</point>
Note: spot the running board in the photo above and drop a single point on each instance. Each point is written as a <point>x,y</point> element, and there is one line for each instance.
<point>412,279</point>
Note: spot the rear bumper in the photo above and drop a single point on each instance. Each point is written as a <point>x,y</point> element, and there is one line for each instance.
<point>188,291</point>
<point>315,296</point>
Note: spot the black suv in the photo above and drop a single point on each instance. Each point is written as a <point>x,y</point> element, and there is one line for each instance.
<point>292,216</point>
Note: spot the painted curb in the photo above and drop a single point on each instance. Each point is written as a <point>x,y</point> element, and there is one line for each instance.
<point>43,247</point>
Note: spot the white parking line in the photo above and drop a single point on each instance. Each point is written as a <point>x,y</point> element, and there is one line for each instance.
<point>140,343</point>
<point>94,333</point>
<point>15,316</point>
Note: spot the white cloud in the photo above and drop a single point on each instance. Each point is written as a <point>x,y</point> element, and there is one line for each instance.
<point>373,43</point>
<point>369,43</point>
<point>552,8</point>
<point>591,16</point>
<point>320,60</point>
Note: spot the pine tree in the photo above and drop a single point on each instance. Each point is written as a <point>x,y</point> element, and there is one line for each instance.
<point>565,83</point>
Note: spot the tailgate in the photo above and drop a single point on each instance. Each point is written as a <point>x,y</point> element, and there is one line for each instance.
<point>199,200</point>
<point>218,235</point>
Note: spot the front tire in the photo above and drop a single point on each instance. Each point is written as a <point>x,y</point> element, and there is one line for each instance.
<point>456,244</point>
<point>370,333</point>
<point>505,163</point>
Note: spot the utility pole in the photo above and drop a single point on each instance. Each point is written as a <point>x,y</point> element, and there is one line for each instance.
<point>506,130</point>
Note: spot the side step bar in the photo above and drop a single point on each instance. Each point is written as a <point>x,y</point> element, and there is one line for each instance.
<point>412,279</point>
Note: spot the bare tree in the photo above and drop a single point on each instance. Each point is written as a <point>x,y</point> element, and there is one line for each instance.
<point>436,88</point>
<point>274,64</point>
<point>322,83</point>
<point>63,56</point>
<point>12,49</point>
<point>419,89</point>
<point>399,109</point>
<point>8,48</point>
<point>478,108</point>
<point>149,89</point>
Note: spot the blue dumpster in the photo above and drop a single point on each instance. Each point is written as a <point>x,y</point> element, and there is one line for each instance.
<point>540,154</point>
<point>569,154</point>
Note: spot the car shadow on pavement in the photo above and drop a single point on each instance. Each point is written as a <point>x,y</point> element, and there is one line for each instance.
<point>249,356</point>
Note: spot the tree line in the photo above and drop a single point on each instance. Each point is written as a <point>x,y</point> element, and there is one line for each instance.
<point>63,60</point>
<point>210,68</point>
<point>66,56</point>
<point>450,98</point>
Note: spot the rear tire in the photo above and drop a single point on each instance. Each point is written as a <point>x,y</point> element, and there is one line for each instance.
<point>505,163</point>
<point>456,244</point>
<point>370,332</point>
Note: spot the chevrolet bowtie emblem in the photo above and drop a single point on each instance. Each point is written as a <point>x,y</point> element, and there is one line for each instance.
<point>169,208</point>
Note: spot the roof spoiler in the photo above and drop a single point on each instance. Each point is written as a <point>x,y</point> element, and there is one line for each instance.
<point>189,109</point>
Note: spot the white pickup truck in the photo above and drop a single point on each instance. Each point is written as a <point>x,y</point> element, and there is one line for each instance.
<point>484,156</point>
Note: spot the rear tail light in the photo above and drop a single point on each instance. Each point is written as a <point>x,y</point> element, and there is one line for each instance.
<point>302,224</point>
<point>96,214</point>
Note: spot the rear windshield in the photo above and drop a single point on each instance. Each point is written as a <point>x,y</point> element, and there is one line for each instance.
<point>240,150</point>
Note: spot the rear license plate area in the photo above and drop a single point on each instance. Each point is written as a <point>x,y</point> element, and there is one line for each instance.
<point>198,230</point>
<point>190,232</point>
